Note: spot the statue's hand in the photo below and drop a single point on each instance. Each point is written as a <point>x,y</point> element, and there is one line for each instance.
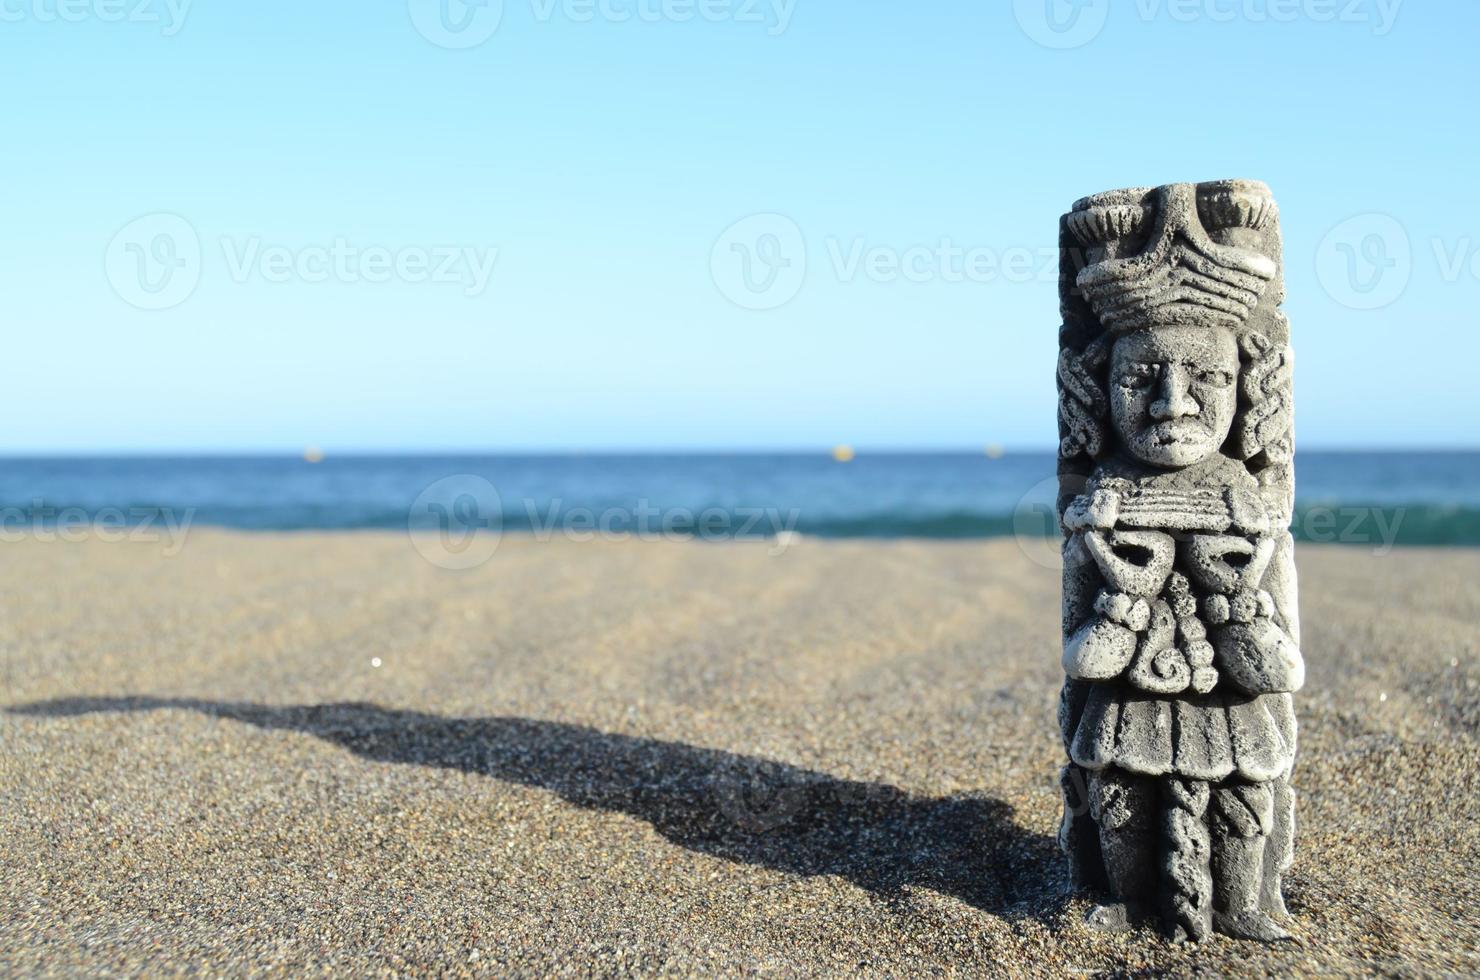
<point>1102,649</point>
<point>1240,606</point>
<point>1258,657</point>
<point>1120,607</point>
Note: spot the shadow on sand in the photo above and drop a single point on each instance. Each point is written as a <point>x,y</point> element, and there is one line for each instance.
<point>730,806</point>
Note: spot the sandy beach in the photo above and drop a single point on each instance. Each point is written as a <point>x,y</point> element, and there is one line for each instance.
<point>286,753</point>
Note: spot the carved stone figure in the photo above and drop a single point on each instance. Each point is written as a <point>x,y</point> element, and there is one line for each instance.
<point>1181,632</point>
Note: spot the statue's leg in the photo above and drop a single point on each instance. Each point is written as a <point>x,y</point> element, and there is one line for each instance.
<point>1279,852</point>
<point>1078,836</point>
<point>1243,816</point>
<point>1187,886</point>
<point>1123,807</point>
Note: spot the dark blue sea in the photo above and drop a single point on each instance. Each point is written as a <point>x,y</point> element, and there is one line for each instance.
<point>1365,498</point>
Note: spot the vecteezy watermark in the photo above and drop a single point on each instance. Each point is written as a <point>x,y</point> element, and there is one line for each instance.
<point>1324,524</point>
<point>1379,15</point>
<point>343,261</point>
<point>761,262</point>
<point>942,261</point>
<point>458,521</point>
<point>646,522</point>
<point>461,24</point>
<point>168,14</point>
<point>40,521</point>
<point>1036,528</point>
<point>1063,24</point>
<point>155,262</point>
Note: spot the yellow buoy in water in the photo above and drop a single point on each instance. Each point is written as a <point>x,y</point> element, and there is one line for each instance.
<point>843,454</point>
<point>994,451</point>
<point>313,454</point>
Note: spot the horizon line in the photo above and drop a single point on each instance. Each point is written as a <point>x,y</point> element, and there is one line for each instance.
<point>991,451</point>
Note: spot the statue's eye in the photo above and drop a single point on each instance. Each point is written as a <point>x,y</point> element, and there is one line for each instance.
<point>1218,379</point>
<point>1139,376</point>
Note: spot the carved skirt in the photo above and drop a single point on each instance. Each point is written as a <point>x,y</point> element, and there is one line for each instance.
<point>1211,737</point>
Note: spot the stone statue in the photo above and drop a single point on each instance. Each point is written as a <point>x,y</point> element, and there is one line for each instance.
<point>1181,632</point>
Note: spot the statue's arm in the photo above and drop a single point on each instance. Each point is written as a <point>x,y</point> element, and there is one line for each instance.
<point>1261,653</point>
<point>1099,628</point>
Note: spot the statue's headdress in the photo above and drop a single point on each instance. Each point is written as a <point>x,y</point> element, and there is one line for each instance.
<point>1181,276</point>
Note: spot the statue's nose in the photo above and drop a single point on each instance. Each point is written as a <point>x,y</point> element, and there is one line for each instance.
<point>1175,400</point>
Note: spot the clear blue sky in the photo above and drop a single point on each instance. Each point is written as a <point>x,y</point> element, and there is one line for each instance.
<point>604,158</point>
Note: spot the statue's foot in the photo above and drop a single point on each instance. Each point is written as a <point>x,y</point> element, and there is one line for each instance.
<point>1249,925</point>
<point>1112,917</point>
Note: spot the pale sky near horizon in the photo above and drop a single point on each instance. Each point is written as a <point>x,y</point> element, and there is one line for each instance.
<point>553,209</point>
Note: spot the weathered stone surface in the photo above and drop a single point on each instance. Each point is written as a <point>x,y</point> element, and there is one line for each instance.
<point>1181,635</point>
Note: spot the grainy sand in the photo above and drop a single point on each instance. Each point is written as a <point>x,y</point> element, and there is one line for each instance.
<point>660,758</point>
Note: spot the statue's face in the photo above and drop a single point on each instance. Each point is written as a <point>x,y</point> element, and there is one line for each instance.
<point>1172,393</point>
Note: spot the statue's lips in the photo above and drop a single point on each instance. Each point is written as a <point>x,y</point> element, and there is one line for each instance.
<point>1175,433</point>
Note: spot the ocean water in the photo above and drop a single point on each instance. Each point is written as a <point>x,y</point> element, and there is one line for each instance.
<point>1363,498</point>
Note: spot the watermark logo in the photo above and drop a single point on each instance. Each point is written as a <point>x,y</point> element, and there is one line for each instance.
<point>456,24</point>
<point>168,14</point>
<point>153,262</point>
<point>1365,262</point>
<point>457,522</point>
<point>1035,523</point>
<point>1061,24</point>
<point>760,262</point>
<point>759,796</point>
